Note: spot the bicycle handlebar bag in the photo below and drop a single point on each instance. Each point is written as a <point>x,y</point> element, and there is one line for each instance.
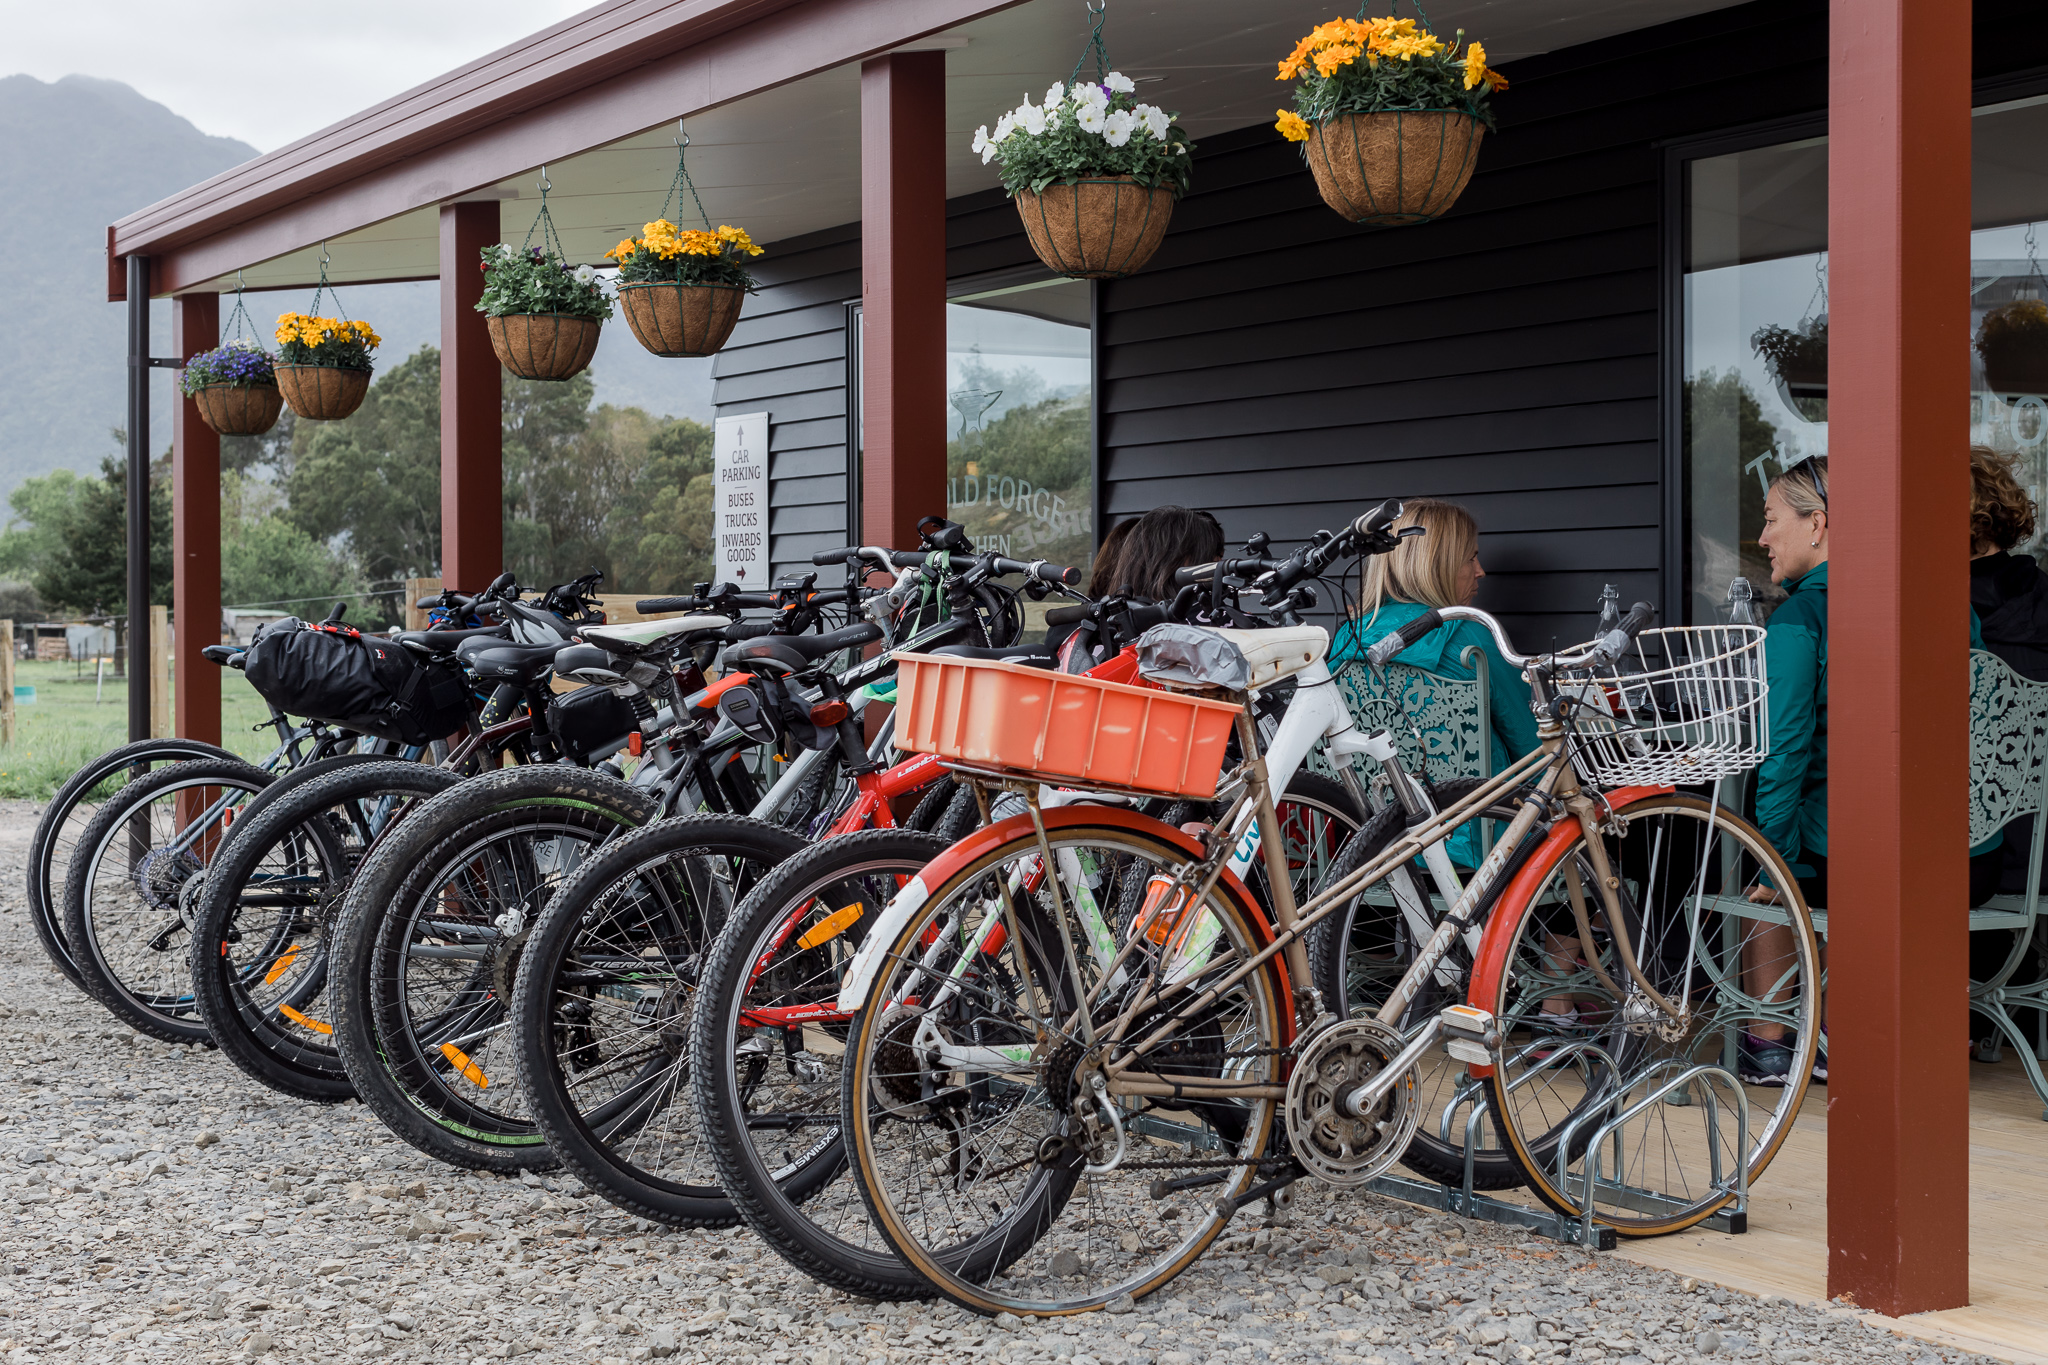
<point>368,684</point>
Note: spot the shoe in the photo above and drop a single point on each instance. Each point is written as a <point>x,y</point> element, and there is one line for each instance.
<point>1820,1058</point>
<point>1559,1025</point>
<point>1763,1061</point>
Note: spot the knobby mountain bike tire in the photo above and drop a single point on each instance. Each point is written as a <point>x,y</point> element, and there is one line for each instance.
<point>1684,868</point>
<point>70,810</point>
<point>768,1086</point>
<point>127,909</point>
<point>973,1171</point>
<point>1360,950</point>
<point>428,947</point>
<point>264,931</point>
<point>603,1007</point>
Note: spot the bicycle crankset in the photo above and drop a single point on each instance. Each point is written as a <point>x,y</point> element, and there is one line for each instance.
<point>1334,1144</point>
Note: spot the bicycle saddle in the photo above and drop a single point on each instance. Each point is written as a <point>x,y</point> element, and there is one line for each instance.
<point>795,653</point>
<point>501,660</point>
<point>227,656</point>
<point>444,641</point>
<point>1279,651</point>
<point>653,637</point>
<point>1026,656</point>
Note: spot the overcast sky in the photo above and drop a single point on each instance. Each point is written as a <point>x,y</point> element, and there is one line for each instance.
<point>265,72</point>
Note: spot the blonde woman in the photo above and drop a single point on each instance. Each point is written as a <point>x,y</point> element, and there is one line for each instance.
<point>1435,570</point>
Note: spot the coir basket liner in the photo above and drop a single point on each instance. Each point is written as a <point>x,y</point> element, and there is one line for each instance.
<point>1060,726</point>
<point>1389,170</point>
<point>322,393</point>
<point>544,345</point>
<point>1096,229</point>
<point>239,410</point>
<point>681,319</point>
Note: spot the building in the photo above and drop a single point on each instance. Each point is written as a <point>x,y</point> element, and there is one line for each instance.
<point>1577,351</point>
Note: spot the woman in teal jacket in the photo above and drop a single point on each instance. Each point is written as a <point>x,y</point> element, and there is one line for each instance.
<point>1434,570</point>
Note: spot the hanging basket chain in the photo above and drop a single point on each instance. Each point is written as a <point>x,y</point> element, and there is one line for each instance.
<point>325,288</point>
<point>1098,10</point>
<point>544,224</point>
<point>1395,8</point>
<point>682,181</point>
<point>239,319</point>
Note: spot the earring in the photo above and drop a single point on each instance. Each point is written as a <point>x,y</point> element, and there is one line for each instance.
<point>1814,543</point>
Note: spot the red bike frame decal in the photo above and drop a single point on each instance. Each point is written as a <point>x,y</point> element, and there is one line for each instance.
<point>1497,940</point>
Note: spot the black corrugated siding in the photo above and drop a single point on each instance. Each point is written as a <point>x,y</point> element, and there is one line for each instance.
<point>1284,368</point>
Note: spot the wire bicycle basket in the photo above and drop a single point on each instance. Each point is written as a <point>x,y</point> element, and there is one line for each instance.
<point>1686,706</point>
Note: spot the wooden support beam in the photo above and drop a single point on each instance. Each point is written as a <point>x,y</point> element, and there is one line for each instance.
<point>472,414</point>
<point>1899,503</point>
<point>903,294</point>
<point>195,531</point>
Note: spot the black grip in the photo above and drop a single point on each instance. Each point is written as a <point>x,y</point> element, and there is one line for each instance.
<point>1067,616</point>
<point>1038,569</point>
<point>1382,654</point>
<point>749,630</point>
<point>652,605</point>
<point>1611,646</point>
<point>1194,573</point>
<point>840,556</point>
<point>1379,518</point>
<point>1639,615</point>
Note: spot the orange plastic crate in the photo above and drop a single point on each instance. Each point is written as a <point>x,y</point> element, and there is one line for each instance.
<point>1060,726</point>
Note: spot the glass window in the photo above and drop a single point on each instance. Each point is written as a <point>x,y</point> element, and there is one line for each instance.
<point>1018,408</point>
<point>1754,397</point>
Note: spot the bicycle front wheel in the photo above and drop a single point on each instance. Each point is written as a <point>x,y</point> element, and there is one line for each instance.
<point>1580,1062</point>
<point>989,1156</point>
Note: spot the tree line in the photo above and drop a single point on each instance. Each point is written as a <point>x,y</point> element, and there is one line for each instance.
<point>349,509</point>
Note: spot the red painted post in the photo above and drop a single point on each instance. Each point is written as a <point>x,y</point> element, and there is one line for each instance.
<point>1899,412</point>
<point>903,294</point>
<point>195,535</point>
<point>472,413</point>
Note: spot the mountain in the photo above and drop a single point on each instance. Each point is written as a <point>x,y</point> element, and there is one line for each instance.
<point>74,156</point>
<point>78,154</point>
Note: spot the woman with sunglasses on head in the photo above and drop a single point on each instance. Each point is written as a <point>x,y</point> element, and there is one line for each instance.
<point>1792,784</point>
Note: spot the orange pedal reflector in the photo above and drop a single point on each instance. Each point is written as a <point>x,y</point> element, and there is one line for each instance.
<point>830,927</point>
<point>471,1072</point>
<point>636,744</point>
<point>284,964</point>
<point>304,1021</point>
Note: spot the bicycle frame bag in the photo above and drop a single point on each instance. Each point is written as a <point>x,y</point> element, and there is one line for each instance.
<point>369,684</point>
<point>591,723</point>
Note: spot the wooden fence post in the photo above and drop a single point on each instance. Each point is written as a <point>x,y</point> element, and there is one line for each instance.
<point>415,589</point>
<point>160,672</point>
<point>7,683</point>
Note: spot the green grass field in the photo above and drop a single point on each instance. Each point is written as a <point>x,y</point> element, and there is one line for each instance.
<point>67,726</point>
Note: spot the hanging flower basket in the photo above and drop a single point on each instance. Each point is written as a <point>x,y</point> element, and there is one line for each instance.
<point>1797,358</point>
<point>544,314</point>
<point>674,320</point>
<point>234,387</point>
<point>1394,169</point>
<point>1389,116</point>
<point>2012,341</point>
<point>1096,229</point>
<point>681,289</point>
<point>323,364</point>
<point>322,393</point>
<point>1094,175</point>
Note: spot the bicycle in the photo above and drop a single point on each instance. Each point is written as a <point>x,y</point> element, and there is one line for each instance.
<point>1178,1049</point>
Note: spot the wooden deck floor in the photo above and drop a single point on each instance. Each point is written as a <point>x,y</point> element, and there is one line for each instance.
<point>1785,1250</point>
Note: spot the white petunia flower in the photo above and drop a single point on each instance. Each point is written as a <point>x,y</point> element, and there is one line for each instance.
<point>585,274</point>
<point>1089,116</point>
<point>1031,119</point>
<point>1091,94</point>
<point>1119,82</point>
<point>1054,95</point>
<point>1155,121</point>
<point>1116,129</point>
<point>1005,126</point>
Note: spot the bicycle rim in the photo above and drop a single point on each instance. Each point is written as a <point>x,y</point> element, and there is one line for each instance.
<point>974,1173</point>
<point>1736,968</point>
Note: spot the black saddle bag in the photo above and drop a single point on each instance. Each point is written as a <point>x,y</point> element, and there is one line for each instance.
<point>369,684</point>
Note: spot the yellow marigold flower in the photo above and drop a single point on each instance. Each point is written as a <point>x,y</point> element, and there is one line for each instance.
<point>622,250</point>
<point>1330,58</point>
<point>1475,65</point>
<point>1292,126</point>
<point>1494,80</point>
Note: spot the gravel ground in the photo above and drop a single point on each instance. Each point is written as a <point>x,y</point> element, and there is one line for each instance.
<point>157,1206</point>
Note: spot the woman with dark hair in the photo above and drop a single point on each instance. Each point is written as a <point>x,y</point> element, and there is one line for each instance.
<point>2008,591</point>
<point>1166,538</point>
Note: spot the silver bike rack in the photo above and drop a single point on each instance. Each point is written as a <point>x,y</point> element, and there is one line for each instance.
<point>1579,1228</point>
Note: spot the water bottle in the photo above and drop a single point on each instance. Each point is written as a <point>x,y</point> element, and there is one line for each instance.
<point>1741,603</point>
<point>1610,610</point>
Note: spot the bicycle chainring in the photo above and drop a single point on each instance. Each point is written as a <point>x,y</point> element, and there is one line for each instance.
<point>1330,1144</point>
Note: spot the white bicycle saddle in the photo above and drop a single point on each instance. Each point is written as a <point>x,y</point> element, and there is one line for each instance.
<point>637,637</point>
<point>1278,652</point>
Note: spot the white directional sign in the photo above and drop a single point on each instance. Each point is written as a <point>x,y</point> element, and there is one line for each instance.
<point>740,500</point>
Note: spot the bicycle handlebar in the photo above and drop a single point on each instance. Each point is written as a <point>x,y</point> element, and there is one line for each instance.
<point>909,559</point>
<point>1602,653</point>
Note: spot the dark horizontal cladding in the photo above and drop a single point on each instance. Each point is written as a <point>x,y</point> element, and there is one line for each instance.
<point>1280,365</point>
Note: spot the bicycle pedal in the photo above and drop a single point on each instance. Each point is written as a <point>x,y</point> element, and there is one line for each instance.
<point>1470,1034</point>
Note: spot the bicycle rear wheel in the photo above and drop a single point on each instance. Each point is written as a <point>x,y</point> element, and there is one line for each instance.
<point>767,1045</point>
<point>141,865</point>
<point>969,1092</point>
<point>1731,966</point>
<point>602,1012</point>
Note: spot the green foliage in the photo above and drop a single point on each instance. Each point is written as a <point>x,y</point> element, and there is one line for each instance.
<point>334,342</point>
<point>1795,353</point>
<point>265,559</point>
<point>1723,423</point>
<point>43,511</point>
<point>1021,485</point>
<point>375,478</point>
<point>530,281</point>
<point>272,449</point>
<point>84,564</point>
<point>1088,132</point>
<point>674,551</point>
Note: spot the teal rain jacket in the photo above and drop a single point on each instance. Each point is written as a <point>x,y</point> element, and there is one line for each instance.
<point>1792,784</point>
